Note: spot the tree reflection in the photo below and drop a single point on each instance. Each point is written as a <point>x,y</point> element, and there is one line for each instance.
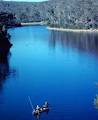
<point>4,67</point>
<point>81,41</point>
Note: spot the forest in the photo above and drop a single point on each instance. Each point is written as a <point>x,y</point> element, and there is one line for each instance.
<point>76,14</point>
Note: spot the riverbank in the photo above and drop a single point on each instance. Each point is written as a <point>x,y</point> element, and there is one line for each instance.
<point>72,30</point>
<point>59,29</point>
<point>33,23</point>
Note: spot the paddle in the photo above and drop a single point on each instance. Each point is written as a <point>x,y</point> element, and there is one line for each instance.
<point>30,103</point>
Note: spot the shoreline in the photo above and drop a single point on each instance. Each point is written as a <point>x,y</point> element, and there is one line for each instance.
<point>59,29</point>
<point>72,30</point>
<point>32,23</point>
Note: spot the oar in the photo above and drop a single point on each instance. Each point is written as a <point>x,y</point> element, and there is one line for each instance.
<point>30,102</point>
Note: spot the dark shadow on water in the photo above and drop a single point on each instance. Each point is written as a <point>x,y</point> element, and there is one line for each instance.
<point>4,67</point>
<point>5,70</point>
<point>87,42</point>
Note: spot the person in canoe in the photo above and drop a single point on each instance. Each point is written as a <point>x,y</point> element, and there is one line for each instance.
<point>37,110</point>
<point>46,105</point>
<point>37,107</point>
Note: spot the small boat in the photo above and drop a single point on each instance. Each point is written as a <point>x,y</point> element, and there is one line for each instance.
<point>41,110</point>
<point>38,110</point>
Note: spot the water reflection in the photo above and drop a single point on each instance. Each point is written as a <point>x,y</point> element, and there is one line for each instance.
<point>81,41</point>
<point>96,102</point>
<point>4,67</point>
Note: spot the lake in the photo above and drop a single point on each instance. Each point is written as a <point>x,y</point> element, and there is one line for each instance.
<point>60,67</point>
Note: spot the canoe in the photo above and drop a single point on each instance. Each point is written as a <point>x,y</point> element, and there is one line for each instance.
<point>37,112</point>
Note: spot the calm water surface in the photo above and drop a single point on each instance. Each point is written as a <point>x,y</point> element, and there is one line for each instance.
<point>59,67</point>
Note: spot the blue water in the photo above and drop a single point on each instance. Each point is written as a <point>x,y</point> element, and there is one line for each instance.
<point>60,67</point>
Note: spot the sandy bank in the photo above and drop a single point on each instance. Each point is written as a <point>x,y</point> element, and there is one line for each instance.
<point>33,23</point>
<point>73,30</point>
